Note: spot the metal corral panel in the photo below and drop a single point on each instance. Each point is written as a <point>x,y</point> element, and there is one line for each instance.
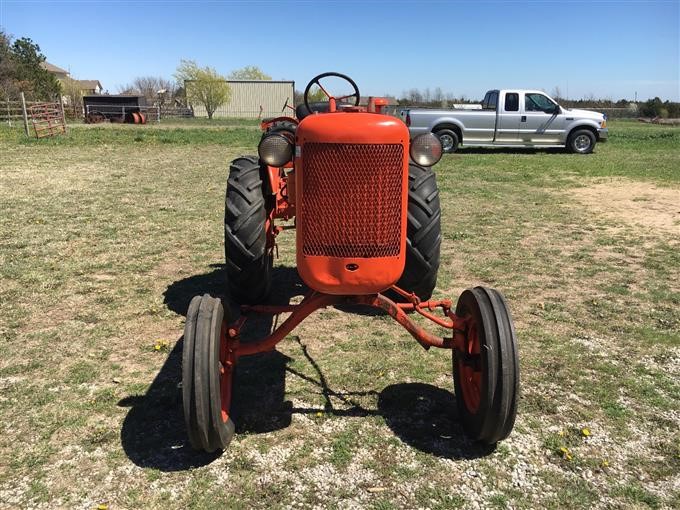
<point>254,99</point>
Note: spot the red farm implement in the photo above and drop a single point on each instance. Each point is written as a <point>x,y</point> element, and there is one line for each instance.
<point>367,218</point>
<point>47,119</point>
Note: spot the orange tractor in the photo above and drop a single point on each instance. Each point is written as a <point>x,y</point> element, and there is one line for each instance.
<point>367,218</point>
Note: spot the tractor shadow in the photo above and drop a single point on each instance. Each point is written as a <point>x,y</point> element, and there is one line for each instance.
<point>426,418</point>
<point>153,432</point>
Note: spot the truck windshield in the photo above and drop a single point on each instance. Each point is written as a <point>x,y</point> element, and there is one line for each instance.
<point>538,103</point>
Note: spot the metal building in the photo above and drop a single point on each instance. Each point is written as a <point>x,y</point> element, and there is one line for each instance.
<point>252,99</point>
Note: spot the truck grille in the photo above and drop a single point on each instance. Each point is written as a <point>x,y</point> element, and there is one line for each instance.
<point>352,200</point>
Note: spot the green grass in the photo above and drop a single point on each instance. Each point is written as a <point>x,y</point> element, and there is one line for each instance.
<point>232,134</point>
<point>106,233</point>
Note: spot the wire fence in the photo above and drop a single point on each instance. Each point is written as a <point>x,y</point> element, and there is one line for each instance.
<point>11,111</point>
<point>231,111</point>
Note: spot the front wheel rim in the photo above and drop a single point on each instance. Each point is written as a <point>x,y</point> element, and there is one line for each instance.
<point>582,143</point>
<point>226,367</point>
<point>471,373</point>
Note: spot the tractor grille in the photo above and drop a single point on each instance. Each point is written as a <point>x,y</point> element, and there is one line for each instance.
<point>352,199</point>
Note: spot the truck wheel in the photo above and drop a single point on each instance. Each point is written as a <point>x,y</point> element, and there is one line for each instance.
<point>581,141</point>
<point>249,263</point>
<point>486,371</point>
<point>449,140</point>
<point>206,383</point>
<point>423,239</point>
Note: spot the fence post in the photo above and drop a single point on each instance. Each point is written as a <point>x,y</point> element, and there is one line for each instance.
<point>63,116</point>
<point>23,107</point>
<point>9,115</point>
<point>158,114</point>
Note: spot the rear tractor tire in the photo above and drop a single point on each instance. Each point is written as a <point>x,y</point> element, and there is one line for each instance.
<point>206,382</point>
<point>249,261</point>
<point>486,372</point>
<point>423,241</point>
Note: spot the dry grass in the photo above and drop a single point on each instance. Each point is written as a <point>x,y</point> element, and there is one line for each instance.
<point>103,245</point>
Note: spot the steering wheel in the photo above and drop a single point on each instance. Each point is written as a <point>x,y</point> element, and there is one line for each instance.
<point>317,81</point>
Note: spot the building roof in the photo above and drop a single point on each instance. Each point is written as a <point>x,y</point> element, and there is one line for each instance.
<point>88,84</point>
<point>52,68</point>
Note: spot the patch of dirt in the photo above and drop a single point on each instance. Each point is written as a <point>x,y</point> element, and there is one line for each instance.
<point>635,203</point>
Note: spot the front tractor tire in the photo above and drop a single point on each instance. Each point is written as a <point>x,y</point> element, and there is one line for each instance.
<point>424,238</point>
<point>486,370</point>
<point>206,382</point>
<point>249,261</point>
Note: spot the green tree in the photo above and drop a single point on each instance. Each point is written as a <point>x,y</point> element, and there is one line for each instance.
<point>203,85</point>
<point>8,87</point>
<point>652,108</point>
<point>249,73</point>
<point>37,83</point>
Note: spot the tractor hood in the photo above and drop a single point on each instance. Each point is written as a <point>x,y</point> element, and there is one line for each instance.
<point>352,127</point>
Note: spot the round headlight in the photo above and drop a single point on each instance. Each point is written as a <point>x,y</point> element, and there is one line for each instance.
<point>426,149</point>
<point>275,149</point>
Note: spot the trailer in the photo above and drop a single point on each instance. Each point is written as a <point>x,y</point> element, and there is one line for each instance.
<point>114,108</point>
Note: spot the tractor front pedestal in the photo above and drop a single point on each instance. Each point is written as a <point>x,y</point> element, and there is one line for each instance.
<point>482,340</point>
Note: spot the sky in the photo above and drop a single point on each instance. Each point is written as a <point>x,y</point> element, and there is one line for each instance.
<point>606,49</point>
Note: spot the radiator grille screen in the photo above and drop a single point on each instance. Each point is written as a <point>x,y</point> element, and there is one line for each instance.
<point>351,204</point>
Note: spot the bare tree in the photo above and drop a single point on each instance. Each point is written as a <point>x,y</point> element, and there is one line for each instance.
<point>557,93</point>
<point>414,96</point>
<point>151,87</point>
<point>438,95</point>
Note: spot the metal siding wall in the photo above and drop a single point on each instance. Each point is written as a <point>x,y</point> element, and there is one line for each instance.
<point>247,97</point>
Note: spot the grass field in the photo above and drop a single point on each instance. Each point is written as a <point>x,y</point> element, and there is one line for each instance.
<point>107,233</point>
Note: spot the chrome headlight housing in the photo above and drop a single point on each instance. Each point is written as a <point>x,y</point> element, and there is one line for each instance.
<point>426,149</point>
<point>276,149</point>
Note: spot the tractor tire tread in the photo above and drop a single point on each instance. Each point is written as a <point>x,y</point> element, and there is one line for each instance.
<point>423,243</point>
<point>245,237</point>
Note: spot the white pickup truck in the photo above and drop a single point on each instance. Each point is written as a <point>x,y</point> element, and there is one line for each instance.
<point>511,118</point>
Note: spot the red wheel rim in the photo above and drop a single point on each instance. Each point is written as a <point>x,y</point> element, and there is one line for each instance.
<point>471,375</point>
<point>227,359</point>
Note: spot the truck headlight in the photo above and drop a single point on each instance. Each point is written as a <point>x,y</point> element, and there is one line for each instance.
<point>275,149</point>
<point>426,149</point>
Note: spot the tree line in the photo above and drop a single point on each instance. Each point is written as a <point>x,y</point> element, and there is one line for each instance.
<point>21,71</point>
<point>437,98</point>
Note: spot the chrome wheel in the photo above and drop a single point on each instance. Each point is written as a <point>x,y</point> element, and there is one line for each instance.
<point>582,143</point>
<point>447,142</point>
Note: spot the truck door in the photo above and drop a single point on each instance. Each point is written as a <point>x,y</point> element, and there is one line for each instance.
<point>540,120</point>
<point>508,119</point>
